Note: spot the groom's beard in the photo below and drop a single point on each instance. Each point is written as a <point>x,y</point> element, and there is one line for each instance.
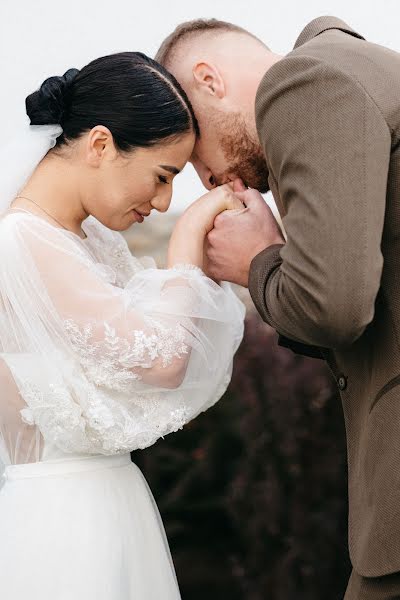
<point>243,154</point>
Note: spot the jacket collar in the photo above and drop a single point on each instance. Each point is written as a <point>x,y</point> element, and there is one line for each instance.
<point>321,24</point>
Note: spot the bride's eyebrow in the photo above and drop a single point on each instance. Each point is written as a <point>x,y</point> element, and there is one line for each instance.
<point>170,169</point>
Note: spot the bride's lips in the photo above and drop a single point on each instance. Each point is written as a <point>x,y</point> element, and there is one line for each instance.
<point>139,216</point>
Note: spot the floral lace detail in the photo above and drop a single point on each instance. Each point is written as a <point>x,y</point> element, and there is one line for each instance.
<point>101,424</point>
<point>111,249</point>
<point>110,360</point>
<point>116,429</point>
<point>57,416</point>
<point>122,261</point>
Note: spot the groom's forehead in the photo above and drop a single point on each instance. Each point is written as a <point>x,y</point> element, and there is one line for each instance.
<point>193,157</point>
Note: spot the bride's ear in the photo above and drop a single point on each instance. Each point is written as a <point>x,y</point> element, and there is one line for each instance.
<point>99,145</point>
<point>208,79</point>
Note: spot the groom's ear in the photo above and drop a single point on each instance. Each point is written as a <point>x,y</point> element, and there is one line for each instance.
<point>208,79</point>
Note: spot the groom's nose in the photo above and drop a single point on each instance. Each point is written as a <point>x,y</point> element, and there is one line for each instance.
<point>205,174</point>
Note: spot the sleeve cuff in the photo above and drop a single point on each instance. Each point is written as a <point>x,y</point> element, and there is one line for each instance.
<point>261,268</point>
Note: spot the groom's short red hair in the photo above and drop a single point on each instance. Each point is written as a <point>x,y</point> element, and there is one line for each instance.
<point>190,29</point>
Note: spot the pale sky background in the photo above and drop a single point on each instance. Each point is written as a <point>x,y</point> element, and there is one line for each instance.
<point>39,38</point>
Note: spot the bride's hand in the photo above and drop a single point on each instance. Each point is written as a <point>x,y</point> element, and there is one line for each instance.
<point>202,213</point>
<point>189,234</point>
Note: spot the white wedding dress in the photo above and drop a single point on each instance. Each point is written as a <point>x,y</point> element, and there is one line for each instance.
<point>99,355</point>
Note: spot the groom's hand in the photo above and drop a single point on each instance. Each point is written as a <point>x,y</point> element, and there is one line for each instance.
<point>239,235</point>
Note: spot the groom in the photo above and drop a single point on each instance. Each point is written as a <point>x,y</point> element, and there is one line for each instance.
<point>320,127</point>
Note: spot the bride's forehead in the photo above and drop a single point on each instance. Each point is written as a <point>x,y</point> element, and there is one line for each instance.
<point>178,151</point>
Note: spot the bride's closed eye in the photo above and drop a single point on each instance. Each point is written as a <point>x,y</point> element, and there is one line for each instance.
<point>163,179</point>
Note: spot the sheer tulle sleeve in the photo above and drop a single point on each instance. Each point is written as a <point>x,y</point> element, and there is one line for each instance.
<point>102,368</point>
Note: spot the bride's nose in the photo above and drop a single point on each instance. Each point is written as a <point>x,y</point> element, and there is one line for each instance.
<point>162,202</point>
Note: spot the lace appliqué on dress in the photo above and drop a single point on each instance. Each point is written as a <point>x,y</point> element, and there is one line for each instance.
<point>111,249</point>
<point>101,424</point>
<point>116,429</point>
<point>58,418</point>
<point>110,360</point>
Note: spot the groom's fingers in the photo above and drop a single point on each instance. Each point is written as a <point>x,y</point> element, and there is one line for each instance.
<point>251,198</point>
<point>238,185</point>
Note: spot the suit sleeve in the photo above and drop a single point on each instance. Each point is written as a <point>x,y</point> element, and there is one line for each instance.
<point>328,148</point>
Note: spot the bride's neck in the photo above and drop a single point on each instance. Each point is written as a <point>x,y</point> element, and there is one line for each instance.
<point>54,186</point>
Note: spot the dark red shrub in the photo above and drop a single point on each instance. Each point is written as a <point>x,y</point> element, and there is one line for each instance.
<point>253,492</point>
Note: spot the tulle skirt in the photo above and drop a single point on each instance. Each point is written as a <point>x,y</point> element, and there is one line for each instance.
<point>82,529</point>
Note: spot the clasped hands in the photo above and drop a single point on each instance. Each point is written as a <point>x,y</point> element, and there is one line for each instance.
<point>239,235</point>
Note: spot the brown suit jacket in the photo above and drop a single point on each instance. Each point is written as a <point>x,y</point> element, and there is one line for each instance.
<point>328,117</point>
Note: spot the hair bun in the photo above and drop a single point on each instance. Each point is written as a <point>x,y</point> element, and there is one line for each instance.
<point>47,106</point>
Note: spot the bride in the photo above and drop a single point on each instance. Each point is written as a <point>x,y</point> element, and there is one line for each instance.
<point>100,354</point>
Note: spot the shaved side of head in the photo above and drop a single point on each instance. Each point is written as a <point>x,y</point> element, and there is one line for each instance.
<point>190,31</point>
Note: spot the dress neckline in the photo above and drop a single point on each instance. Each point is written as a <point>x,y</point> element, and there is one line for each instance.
<point>28,212</point>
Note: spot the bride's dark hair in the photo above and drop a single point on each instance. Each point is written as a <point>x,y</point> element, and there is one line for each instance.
<point>132,95</point>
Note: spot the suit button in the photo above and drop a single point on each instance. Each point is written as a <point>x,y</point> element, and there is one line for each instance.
<point>342,382</point>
